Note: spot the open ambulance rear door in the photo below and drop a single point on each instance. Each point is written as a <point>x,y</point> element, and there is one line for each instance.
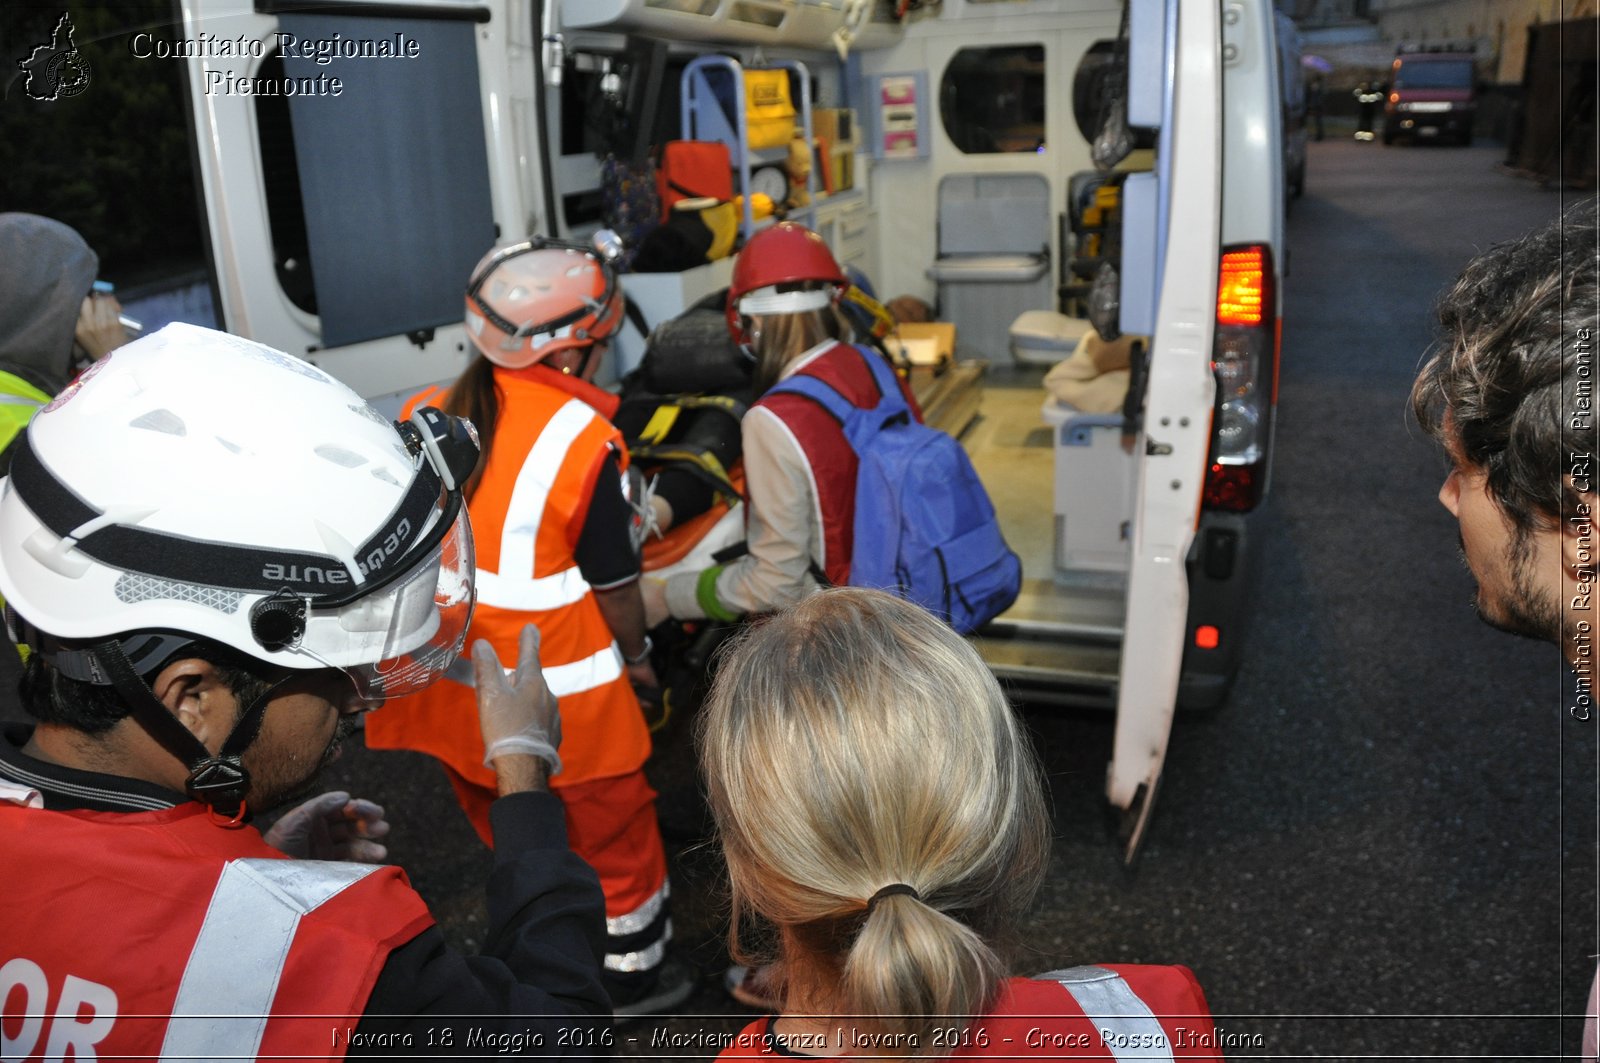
<point>1210,222</point>
<point>355,160</point>
<point>1171,232</point>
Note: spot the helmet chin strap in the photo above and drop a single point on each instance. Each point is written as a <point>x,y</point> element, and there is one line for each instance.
<point>590,353</point>
<point>217,780</point>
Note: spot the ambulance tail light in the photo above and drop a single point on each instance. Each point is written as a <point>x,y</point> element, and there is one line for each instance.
<point>1243,358</point>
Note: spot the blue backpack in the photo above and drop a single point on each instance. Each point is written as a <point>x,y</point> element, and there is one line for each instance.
<point>925,528</point>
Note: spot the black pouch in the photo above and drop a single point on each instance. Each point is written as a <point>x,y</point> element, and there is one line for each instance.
<point>693,354</point>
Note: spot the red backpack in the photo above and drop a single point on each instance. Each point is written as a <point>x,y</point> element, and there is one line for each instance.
<point>693,169</point>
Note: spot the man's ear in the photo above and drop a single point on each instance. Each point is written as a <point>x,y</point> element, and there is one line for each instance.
<point>193,692</point>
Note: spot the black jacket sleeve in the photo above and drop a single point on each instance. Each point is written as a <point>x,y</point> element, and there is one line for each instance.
<point>535,987</point>
<point>605,553</point>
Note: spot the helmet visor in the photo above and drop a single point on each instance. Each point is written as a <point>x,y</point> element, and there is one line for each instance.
<point>403,637</point>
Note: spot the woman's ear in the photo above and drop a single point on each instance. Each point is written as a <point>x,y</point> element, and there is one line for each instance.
<point>192,691</point>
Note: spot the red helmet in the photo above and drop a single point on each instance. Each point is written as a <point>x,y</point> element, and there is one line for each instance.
<point>530,300</point>
<point>786,253</point>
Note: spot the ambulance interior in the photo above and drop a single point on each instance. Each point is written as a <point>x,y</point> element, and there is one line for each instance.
<point>968,185</point>
<point>966,154</point>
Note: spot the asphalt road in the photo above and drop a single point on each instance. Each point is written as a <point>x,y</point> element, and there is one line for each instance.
<point>1383,845</point>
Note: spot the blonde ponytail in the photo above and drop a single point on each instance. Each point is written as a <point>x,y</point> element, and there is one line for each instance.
<point>853,743</point>
<point>911,966</point>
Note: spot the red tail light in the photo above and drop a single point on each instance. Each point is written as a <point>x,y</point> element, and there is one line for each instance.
<point>1233,487</point>
<point>1242,287</point>
<point>1244,361</point>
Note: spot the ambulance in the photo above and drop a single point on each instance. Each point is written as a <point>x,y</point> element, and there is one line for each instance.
<point>1036,170</point>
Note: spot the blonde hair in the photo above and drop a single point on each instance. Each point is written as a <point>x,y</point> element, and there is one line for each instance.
<point>855,742</point>
<point>784,337</point>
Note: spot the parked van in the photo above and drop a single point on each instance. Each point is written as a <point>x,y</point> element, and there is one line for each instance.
<point>1292,86</point>
<point>1432,95</point>
<point>341,228</point>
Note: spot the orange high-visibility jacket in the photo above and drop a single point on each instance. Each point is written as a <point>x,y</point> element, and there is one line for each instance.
<point>527,513</point>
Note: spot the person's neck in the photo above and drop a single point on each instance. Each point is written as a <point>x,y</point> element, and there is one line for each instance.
<point>810,1021</point>
<point>125,750</point>
<point>819,1033</point>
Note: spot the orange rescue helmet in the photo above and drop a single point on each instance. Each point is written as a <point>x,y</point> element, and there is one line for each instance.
<point>533,299</point>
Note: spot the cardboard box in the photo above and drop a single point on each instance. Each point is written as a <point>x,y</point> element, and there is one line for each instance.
<point>841,166</point>
<point>837,125</point>
<point>923,343</point>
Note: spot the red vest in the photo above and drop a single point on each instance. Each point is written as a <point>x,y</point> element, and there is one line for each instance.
<point>833,463</point>
<point>1118,1012</point>
<point>161,935</point>
<point>527,513</point>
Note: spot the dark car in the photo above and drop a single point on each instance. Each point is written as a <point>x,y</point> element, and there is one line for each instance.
<point>1431,95</point>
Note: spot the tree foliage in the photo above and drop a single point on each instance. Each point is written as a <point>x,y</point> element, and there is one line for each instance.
<point>114,161</point>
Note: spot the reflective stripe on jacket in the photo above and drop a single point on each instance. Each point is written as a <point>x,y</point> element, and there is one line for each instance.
<point>527,514</point>
<point>19,401</point>
<point>161,935</point>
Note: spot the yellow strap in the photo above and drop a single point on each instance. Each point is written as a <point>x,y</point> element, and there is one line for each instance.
<point>660,423</point>
<point>704,459</point>
<point>712,402</point>
<point>883,322</point>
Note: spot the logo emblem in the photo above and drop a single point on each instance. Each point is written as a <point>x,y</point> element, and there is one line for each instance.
<point>56,71</point>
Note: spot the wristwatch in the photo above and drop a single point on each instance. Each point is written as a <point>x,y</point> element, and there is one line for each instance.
<point>642,656</point>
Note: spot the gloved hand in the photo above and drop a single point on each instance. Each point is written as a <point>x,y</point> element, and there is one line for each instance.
<point>331,827</point>
<point>654,593</point>
<point>517,713</point>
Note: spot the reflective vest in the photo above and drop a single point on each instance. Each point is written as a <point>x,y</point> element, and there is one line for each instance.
<point>1119,1012</point>
<point>160,935</point>
<point>19,401</point>
<point>527,513</point>
<point>821,439</point>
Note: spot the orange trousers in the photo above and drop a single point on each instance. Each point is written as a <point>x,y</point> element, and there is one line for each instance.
<point>611,823</point>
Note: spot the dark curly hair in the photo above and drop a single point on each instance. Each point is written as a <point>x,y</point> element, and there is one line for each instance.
<point>1511,380</point>
<point>50,697</point>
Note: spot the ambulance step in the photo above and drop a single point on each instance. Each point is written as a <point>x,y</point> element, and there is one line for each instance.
<point>1053,671</point>
<point>1091,610</point>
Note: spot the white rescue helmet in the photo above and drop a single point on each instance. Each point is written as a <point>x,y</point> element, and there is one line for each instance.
<point>195,486</point>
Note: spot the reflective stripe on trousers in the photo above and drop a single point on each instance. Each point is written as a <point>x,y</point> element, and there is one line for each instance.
<point>642,916</point>
<point>642,959</point>
<point>1126,1023</point>
<point>636,922</point>
<point>232,975</point>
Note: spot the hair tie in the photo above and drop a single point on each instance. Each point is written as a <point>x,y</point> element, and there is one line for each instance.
<point>889,891</point>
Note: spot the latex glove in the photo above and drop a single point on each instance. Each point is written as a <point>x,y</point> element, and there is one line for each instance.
<point>99,330</point>
<point>654,593</point>
<point>331,827</point>
<point>516,712</point>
